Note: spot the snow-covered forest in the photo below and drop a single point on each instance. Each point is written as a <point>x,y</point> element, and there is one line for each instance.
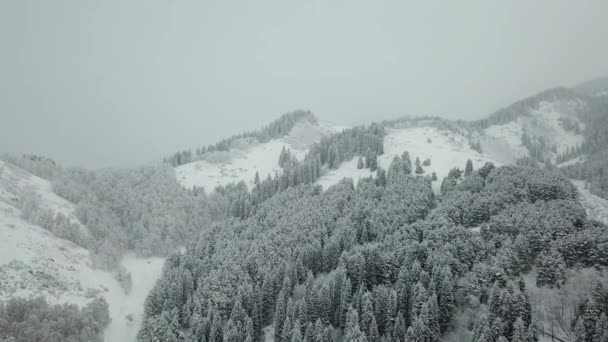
<point>363,235</point>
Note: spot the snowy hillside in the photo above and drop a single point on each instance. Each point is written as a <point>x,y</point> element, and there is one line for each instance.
<point>34,262</point>
<point>248,157</point>
<point>504,142</point>
<point>444,148</point>
<point>596,207</point>
<point>15,183</point>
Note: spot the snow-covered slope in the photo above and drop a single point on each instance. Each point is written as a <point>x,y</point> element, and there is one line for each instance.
<point>445,149</point>
<point>504,142</point>
<point>34,262</point>
<point>15,182</point>
<point>596,207</point>
<point>248,157</point>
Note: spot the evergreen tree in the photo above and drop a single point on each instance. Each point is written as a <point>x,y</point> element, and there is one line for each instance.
<point>296,335</point>
<point>352,332</point>
<point>360,164</point>
<point>468,169</point>
<point>601,329</point>
<point>381,177</point>
<point>287,331</point>
<point>407,162</point>
<point>280,314</point>
<point>419,169</point>
<point>519,331</point>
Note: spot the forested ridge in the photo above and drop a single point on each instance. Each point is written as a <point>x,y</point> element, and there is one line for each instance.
<point>384,261</point>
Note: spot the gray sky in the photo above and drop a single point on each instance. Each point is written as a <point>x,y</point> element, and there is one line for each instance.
<point>114,82</point>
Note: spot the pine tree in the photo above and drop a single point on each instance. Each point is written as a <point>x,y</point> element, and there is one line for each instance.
<point>310,332</point>
<point>360,163</point>
<point>395,170</point>
<point>580,333</point>
<point>372,331</point>
<point>352,332</point>
<point>468,168</point>
<point>519,331</point>
<point>367,315</point>
<point>419,169</point>
<point>551,269</point>
<point>345,301</point>
<point>280,314</point>
<point>601,329</point>
<point>216,333</point>
<point>287,331</point>
<point>296,334</point>
<point>381,177</point>
<point>446,299</point>
<point>407,162</point>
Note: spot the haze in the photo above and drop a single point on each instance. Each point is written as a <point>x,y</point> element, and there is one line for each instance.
<point>115,83</point>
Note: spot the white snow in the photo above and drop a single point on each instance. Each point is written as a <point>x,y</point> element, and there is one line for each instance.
<point>572,161</point>
<point>446,151</point>
<point>144,273</point>
<point>601,93</point>
<point>545,122</point>
<point>596,207</point>
<point>242,162</point>
<point>34,262</point>
<point>503,142</point>
<point>15,181</point>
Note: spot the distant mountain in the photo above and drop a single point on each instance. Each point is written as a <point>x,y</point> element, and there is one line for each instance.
<point>594,87</point>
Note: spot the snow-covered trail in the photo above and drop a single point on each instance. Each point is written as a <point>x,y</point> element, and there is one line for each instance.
<point>144,273</point>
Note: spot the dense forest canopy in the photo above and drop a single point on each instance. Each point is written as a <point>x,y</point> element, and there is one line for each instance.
<point>383,261</point>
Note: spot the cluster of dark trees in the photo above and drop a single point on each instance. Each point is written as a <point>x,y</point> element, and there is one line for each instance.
<point>592,323</point>
<point>383,261</point>
<point>275,129</point>
<point>34,320</point>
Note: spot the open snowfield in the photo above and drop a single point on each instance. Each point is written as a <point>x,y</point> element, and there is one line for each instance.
<point>242,163</point>
<point>445,149</point>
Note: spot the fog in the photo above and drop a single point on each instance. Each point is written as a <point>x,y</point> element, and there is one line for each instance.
<point>115,83</point>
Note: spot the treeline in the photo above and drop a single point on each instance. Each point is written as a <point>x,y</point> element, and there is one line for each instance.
<point>385,261</point>
<point>143,209</point>
<point>276,129</point>
<point>34,320</point>
<point>328,152</point>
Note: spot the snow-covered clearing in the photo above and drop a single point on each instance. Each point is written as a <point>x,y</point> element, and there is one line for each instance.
<point>503,142</point>
<point>242,162</point>
<point>144,273</point>
<point>445,149</point>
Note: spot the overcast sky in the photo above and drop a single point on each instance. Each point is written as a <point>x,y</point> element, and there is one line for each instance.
<point>115,82</point>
